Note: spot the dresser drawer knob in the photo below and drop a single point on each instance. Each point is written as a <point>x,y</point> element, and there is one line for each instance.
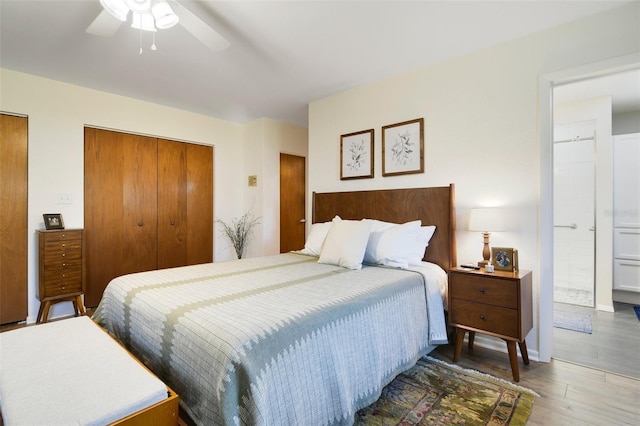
<point>63,245</point>
<point>64,254</point>
<point>482,290</point>
<point>141,223</point>
<point>482,317</point>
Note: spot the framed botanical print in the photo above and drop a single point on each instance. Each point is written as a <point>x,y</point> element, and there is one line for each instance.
<point>403,148</point>
<point>356,155</point>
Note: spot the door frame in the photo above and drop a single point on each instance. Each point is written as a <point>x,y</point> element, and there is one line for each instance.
<point>546,83</point>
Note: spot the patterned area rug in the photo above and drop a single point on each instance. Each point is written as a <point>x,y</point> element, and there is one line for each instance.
<point>572,321</point>
<point>436,393</point>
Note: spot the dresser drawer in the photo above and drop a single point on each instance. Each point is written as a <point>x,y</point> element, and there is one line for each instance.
<point>62,236</point>
<point>493,319</point>
<point>63,263</point>
<point>51,247</point>
<point>62,287</point>
<point>483,289</point>
<point>59,275</point>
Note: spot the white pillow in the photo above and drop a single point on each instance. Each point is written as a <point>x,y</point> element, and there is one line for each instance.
<point>317,235</point>
<point>345,243</point>
<point>393,245</point>
<point>419,244</point>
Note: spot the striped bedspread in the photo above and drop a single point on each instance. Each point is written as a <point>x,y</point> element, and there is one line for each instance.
<point>276,340</point>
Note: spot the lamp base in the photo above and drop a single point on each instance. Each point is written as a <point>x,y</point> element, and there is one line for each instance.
<point>483,263</point>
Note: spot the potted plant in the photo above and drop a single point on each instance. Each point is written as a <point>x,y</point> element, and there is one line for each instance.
<point>239,231</point>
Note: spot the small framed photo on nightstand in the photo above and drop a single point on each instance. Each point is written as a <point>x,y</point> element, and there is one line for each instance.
<point>53,221</point>
<point>504,259</point>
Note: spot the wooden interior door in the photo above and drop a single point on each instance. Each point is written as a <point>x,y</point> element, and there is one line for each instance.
<point>292,202</point>
<point>199,204</point>
<point>120,195</point>
<point>13,218</point>
<point>172,204</point>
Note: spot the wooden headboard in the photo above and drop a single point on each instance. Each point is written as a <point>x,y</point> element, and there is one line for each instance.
<point>434,206</point>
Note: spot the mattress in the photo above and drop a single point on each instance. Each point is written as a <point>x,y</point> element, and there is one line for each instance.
<point>71,372</point>
<point>276,339</point>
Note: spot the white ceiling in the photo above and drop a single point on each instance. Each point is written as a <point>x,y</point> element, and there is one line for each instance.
<point>283,54</point>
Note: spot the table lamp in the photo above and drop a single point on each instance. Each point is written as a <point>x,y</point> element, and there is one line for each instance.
<point>486,220</point>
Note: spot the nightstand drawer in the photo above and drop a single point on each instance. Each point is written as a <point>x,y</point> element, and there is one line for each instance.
<point>483,289</point>
<point>489,318</point>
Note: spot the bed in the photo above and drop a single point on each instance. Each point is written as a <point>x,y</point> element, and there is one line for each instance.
<point>292,338</point>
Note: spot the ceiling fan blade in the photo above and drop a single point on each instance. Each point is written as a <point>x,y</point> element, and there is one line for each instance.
<point>104,25</point>
<point>203,32</point>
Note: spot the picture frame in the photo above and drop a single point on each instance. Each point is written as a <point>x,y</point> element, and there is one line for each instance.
<point>403,148</point>
<point>504,259</point>
<point>356,155</point>
<point>53,221</point>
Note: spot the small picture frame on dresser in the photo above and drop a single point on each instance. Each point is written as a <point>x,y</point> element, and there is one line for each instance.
<point>504,259</point>
<point>53,221</point>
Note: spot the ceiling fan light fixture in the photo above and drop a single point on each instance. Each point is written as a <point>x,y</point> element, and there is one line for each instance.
<point>139,6</point>
<point>162,12</point>
<point>143,21</point>
<point>117,8</point>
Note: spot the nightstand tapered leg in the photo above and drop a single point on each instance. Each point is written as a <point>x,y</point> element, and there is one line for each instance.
<point>523,352</point>
<point>513,359</point>
<point>459,339</point>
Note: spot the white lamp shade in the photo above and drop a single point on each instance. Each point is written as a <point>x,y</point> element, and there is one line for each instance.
<point>117,8</point>
<point>486,220</point>
<point>143,21</point>
<point>165,18</point>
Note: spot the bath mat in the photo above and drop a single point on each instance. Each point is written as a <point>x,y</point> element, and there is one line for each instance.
<point>637,311</point>
<point>572,321</point>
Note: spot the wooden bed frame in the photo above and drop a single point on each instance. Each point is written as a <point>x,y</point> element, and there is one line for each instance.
<point>434,206</point>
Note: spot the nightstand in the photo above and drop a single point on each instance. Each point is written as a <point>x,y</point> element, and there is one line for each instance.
<point>498,304</point>
<point>62,272</point>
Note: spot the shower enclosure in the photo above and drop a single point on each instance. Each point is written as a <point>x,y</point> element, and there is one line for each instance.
<point>574,213</point>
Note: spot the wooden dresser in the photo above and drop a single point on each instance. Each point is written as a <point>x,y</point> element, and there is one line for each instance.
<point>498,304</point>
<point>62,271</point>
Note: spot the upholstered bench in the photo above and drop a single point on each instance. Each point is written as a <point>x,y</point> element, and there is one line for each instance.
<point>72,372</point>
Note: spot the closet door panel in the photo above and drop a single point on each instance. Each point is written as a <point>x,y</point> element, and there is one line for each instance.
<point>199,204</point>
<point>103,209</point>
<point>172,203</point>
<point>120,207</point>
<point>13,218</point>
<point>140,204</point>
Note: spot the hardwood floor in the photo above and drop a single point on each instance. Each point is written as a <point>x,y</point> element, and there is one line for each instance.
<point>614,344</point>
<point>597,383</point>
<point>570,394</point>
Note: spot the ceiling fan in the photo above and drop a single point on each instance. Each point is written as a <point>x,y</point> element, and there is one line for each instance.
<point>150,15</point>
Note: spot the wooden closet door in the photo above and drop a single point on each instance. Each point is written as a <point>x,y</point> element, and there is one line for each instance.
<point>185,204</point>
<point>199,204</point>
<point>120,207</point>
<point>13,218</point>
<point>172,204</point>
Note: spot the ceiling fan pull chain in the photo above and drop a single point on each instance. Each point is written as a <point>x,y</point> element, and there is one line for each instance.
<point>153,45</point>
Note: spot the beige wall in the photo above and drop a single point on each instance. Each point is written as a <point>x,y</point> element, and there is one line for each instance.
<point>481,130</point>
<point>57,115</point>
